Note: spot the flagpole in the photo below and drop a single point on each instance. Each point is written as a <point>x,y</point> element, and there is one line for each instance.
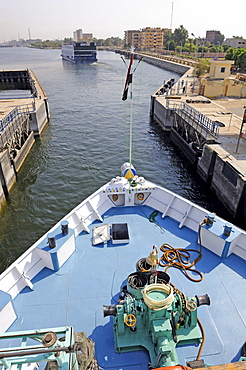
<point>130,136</point>
<point>128,83</point>
<point>131,111</point>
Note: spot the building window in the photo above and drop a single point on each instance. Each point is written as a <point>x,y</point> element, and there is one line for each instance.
<point>222,70</point>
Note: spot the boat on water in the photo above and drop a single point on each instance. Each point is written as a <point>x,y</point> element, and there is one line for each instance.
<point>79,52</point>
<point>135,277</point>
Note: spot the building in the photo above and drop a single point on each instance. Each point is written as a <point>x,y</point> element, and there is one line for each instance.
<point>153,38</point>
<point>213,36</point>
<point>133,38</point>
<point>78,36</point>
<point>87,37</point>
<point>221,83</point>
<point>147,38</point>
<point>220,69</point>
<point>236,43</point>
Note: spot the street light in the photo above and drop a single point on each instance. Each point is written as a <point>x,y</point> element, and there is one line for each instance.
<point>218,42</point>
<point>193,87</point>
<point>241,129</point>
<point>194,42</point>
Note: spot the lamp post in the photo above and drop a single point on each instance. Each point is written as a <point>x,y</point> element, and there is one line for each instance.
<point>194,42</point>
<point>241,129</point>
<point>181,48</point>
<point>218,42</point>
<point>193,87</point>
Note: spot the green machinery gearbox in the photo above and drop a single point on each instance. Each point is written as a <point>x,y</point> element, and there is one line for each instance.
<point>154,315</point>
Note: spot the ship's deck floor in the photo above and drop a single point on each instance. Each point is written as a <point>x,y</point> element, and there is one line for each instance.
<point>93,276</point>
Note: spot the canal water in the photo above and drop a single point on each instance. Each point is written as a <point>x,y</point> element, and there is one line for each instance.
<point>86,142</point>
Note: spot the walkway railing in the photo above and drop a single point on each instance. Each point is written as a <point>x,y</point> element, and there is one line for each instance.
<point>11,125</point>
<point>206,123</point>
<point>20,109</point>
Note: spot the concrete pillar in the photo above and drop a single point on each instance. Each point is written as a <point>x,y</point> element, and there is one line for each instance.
<point>23,152</point>
<point>40,117</point>
<point>7,173</point>
<point>205,165</point>
<point>228,184</point>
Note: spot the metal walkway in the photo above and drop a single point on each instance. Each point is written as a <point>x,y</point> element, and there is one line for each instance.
<point>204,126</point>
<point>15,128</point>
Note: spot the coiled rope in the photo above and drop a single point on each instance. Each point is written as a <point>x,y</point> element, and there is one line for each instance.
<point>137,281</point>
<point>154,304</point>
<point>181,258</point>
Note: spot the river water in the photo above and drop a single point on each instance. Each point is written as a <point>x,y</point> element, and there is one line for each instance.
<point>86,142</point>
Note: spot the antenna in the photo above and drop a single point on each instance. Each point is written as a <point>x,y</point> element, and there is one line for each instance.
<point>171,24</point>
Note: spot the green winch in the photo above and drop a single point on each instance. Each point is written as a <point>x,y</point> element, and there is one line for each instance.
<point>152,314</point>
<point>60,348</point>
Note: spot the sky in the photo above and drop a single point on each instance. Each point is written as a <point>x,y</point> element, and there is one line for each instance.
<point>57,19</point>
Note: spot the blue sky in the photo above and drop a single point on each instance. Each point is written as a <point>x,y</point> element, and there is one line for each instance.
<point>52,19</point>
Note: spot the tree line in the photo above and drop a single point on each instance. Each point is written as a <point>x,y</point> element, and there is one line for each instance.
<point>56,44</point>
<point>178,42</point>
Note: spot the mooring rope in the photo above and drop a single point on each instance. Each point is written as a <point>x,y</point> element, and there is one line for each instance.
<point>152,218</point>
<point>181,258</point>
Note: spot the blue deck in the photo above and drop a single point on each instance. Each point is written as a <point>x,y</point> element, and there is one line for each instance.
<point>93,275</point>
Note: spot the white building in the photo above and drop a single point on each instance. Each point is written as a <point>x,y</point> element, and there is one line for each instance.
<point>236,43</point>
<point>78,35</point>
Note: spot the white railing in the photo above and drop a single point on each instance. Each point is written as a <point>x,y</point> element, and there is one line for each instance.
<point>205,122</point>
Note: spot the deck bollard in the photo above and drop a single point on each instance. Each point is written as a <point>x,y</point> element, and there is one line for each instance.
<point>51,240</point>
<point>227,230</point>
<point>64,227</point>
<point>210,219</point>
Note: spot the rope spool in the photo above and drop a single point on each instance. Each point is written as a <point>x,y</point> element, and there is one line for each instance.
<point>144,268</point>
<point>159,277</point>
<point>136,280</point>
<point>158,305</point>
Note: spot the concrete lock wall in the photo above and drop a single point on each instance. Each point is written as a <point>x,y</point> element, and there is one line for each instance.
<point>223,177</point>
<point>162,115</point>
<point>39,118</point>
<point>165,64</point>
<point>23,152</point>
<point>7,175</point>
<point>2,196</point>
<point>205,164</point>
<point>228,184</point>
<point>214,166</point>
